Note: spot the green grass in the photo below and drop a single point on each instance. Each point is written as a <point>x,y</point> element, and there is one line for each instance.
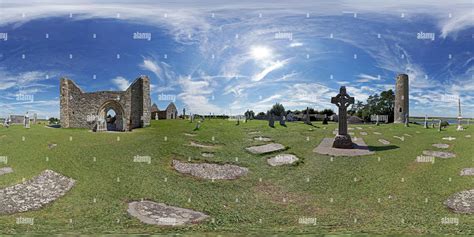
<point>307,187</point>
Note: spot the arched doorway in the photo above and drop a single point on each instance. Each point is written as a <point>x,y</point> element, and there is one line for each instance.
<point>111,115</point>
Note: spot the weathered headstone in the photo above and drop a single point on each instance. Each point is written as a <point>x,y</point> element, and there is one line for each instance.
<point>342,100</point>
<point>198,125</point>
<point>26,121</point>
<point>184,113</point>
<point>426,121</point>
<point>406,120</point>
<point>282,120</point>
<point>459,128</point>
<point>439,126</point>
<point>377,122</point>
<point>271,120</point>
<point>307,118</point>
<point>325,120</point>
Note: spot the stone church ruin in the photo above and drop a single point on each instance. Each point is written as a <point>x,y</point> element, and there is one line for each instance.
<point>105,110</point>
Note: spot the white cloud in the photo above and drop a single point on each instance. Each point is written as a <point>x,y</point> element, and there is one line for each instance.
<point>366,78</point>
<point>274,66</point>
<point>151,66</point>
<point>121,83</point>
<point>458,21</point>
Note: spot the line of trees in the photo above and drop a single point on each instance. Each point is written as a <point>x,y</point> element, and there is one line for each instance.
<point>381,104</point>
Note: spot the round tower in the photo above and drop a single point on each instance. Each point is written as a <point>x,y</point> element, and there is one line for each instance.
<point>401,99</point>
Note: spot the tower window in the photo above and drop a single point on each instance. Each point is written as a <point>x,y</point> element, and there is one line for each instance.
<point>400,110</point>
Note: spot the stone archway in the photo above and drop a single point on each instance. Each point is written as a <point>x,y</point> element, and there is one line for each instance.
<point>111,121</point>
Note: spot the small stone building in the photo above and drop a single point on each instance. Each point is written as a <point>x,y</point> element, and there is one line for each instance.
<point>131,108</point>
<point>171,112</point>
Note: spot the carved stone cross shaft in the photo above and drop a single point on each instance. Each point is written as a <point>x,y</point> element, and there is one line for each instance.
<point>342,100</point>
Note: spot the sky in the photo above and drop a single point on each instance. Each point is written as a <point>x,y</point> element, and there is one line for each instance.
<point>231,56</point>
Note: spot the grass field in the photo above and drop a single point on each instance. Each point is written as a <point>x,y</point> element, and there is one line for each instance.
<point>393,194</point>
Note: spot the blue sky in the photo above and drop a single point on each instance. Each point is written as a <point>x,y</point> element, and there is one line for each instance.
<point>227,57</point>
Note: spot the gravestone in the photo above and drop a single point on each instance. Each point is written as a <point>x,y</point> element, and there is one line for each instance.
<point>35,116</point>
<point>271,120</point>
<point>432,123</point>
<point>342,101</point>
<point>426,121</point>
<point>406,120</point>
<point>459,128</point>
<point>26,121</point>
<point>377,122</point>
<point>439,126</point>
<point>184,113</point>
<point>307,119</point>
<point>282,121</point>
<point>198,126</point>
<point>325,120</point>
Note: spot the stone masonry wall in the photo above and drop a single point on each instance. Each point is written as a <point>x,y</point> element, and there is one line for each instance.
<point>80,109</point>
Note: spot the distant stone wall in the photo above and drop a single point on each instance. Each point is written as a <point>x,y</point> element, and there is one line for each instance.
<point>82,110</point>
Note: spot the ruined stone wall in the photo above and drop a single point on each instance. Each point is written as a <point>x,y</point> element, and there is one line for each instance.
<point>81,110</point>
<point>401,98</point>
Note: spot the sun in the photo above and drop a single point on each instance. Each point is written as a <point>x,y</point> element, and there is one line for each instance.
<point>260,52</point>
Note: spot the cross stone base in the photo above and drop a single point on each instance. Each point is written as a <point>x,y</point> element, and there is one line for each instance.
<point>343,142</point>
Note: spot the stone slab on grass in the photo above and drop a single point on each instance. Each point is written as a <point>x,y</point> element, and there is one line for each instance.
<point>161,214</point>
<point>6,170</point>
<point>268,148</point>
<point>360,148</point>
<point>467,172</point>
<point>207,154</point>
<point>210,171</point>
<point>282,159</point>
<point>34,193</point>
<point>461,202</point>
<point>383,141</point>
<point>441,145</point>
<point>263,139</point>
<point>440,154</point>
<point>195,144</point>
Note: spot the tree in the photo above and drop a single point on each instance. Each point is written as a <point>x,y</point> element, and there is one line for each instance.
<point>278,109</point>
<point>327,112</point>
<point>382,104</point>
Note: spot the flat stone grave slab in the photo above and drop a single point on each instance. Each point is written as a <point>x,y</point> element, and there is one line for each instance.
<point>195,144</point>
<point>272,147</point>
<point>439,154</point>
<point>363,133</point>
<point>207,154</point>
<point>282,159</point>
<point>449,138</point>
<point>468,136</point>
<point>377,133</point>
<point>254,132</point>
<point>210,171</point>
<point>6,170</point>
<point>190,134</point>
<point>461,202</point>
<point>360,148</point>
<point>263,139</point>
<point>383,141</point>
<point>441,145</point>
<point>467,172</point>
<point>34,193</point>
<point>161,214</point>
